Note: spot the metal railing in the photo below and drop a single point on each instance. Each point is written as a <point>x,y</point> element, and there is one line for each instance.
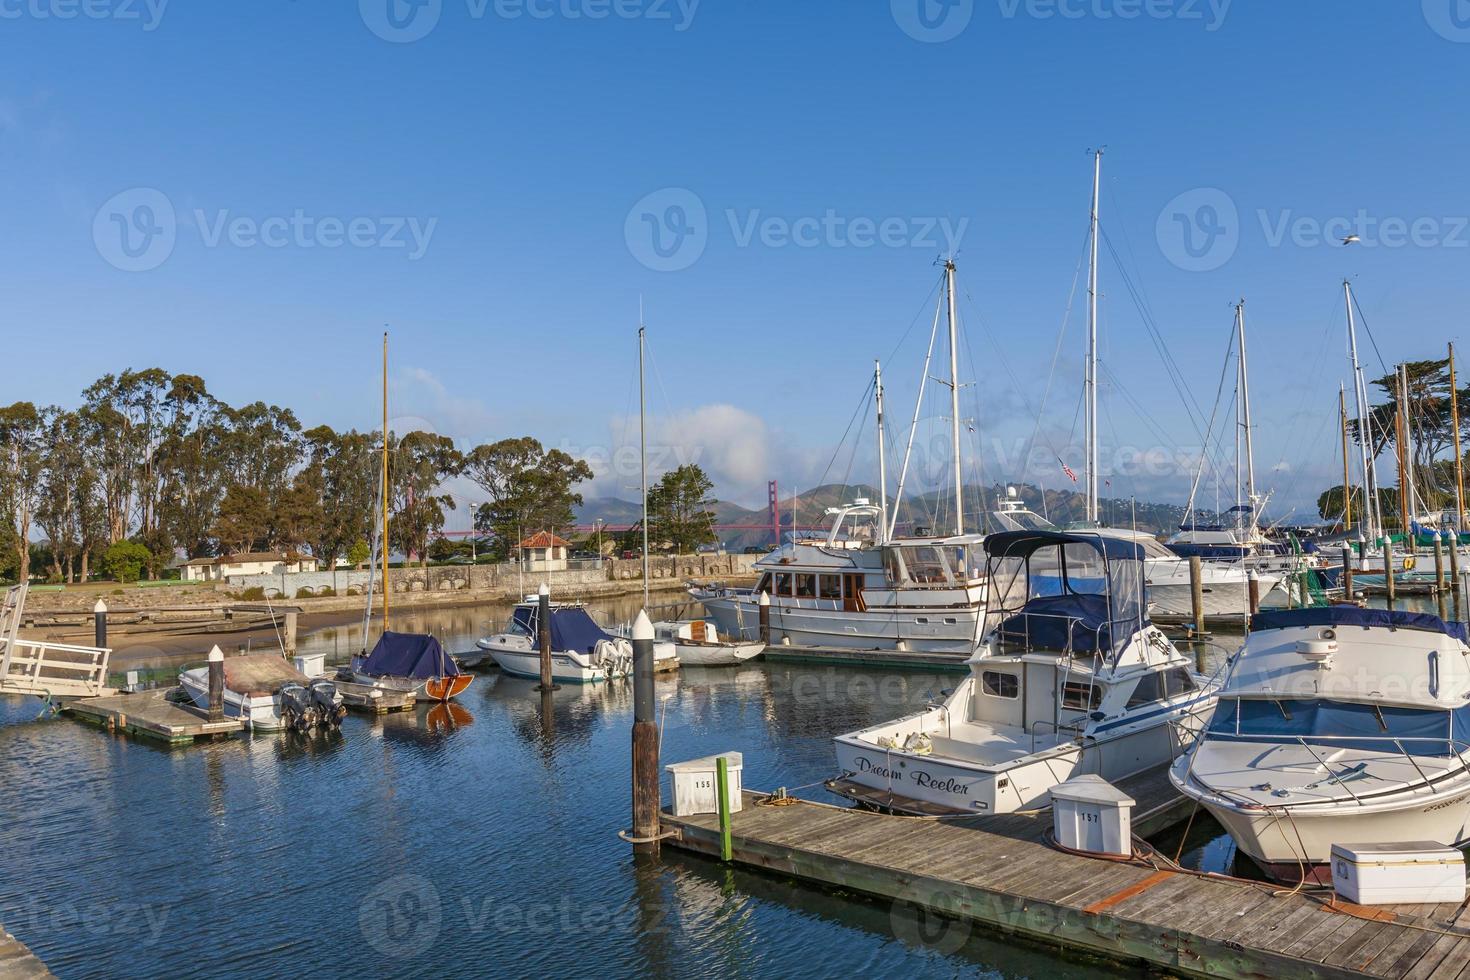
<point>34,667</point>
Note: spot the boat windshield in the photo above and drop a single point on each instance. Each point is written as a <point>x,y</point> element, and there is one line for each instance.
<point>1341,724</point>
<point>934,564</point>
<point>1066,597</point>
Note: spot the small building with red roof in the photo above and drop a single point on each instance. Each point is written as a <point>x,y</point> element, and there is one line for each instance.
<point>543,552</point>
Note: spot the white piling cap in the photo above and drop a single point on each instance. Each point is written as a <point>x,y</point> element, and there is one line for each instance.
<point>216,655</point>
<point>764,600</point>
<point>1253,575</point>
<point>544,590</point>
<point>642,626</point>
<point>101,607</point>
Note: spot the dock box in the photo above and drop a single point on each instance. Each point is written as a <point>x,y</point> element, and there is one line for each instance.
<point>1091,814</point>
<point>695,784</point>
<point>1389,874</point>
<point>313,665</point>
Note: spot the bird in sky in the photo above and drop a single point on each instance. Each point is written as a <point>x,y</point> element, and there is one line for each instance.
<point>1351,240</point>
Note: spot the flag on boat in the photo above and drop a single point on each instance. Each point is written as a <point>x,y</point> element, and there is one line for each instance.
<point>1067,470</point>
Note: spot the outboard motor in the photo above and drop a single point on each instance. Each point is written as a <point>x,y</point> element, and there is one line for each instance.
<point>298,708</point>
<point>324,697</point>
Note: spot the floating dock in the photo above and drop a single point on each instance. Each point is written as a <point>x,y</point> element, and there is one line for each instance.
<point>950,663</point>
<point>17,962</point>
<point>151,715</point>
<point>999,873</point>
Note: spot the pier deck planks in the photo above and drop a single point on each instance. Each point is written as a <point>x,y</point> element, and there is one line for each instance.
<point>17,962</point>
<point>1000,873</point>
<point>150,714</point>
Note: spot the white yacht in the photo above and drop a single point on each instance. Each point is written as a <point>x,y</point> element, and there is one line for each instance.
<point>854,589</point>
<point>1337,725</point>
<point>1071,679</point>
<point>1225,586</point>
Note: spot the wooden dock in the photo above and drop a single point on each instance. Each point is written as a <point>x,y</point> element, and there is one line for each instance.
<point>999,873</point>
<point>17,962</point>
<point>151,715</point>
<point>950,663</point>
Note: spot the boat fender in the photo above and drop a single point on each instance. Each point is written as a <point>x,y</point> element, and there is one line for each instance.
<point>919,743</point>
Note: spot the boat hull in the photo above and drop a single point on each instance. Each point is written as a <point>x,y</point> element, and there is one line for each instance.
<point>520,663</point>
<point>428,689</point>
<point>259,713</point>
<point>939,630</point>
<point>717,654</point>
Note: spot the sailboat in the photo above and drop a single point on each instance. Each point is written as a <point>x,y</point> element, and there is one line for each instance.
<point>412,662</point>
<point>860,586</point>
<point>1167,575</point>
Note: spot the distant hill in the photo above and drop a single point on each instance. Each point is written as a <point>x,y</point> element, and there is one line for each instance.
<point>930,511</point>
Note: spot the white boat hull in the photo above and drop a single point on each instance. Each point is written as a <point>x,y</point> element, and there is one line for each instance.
<point>940,630</point>
<point>1220,597</point>
<point>259,713</point>
<point>717,654</point>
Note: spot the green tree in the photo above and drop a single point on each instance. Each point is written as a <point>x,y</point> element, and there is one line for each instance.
<point>347,478</point>
<point>359,553</point>
<point>678,510</point>
<point>124,561</point>
<point>23,430</point>
<point>530,489</point>
<point>418,464</point>
<point>244,520</point>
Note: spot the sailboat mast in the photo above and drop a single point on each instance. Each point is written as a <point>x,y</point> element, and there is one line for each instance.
<point>386,588</point>
<point>1347,486</point>
<point>1459,463</point>
<point>882,456</point>
<point>1401,430</point>
<point>1091,424</point>
<point>1245,401</point>
<point>954,403</point>
<point>643,456</point>
<point>1371,517</point>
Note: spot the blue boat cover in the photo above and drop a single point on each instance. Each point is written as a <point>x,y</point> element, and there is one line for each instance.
<point>1078,623</point>
<point>415,655</point>
<point>1281,619</point>
<point>572,630</point>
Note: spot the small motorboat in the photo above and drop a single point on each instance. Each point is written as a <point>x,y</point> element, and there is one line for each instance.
<point>697,643</point>
<point>1337,725</point>
<point>413,662</point>
<point>268,694</point>
<point>582,652</point>
<point>1071,679</point>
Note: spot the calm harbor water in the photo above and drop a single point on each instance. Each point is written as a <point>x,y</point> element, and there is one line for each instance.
<point>478,839</point>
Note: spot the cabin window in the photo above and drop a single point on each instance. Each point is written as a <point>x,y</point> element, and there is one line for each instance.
<point>1081,696</point>
<point>829,586</point>
<point>806,586</point>
<point>999,684</point>
<point>783,583</point>
<point>1149,689</point>
<point>764,585</point>
<point>1177,681</point>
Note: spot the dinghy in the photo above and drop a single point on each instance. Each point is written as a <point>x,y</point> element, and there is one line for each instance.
<point>697,643</point>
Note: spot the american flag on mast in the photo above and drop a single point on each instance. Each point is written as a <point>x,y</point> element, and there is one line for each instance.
<point>1067,470</point>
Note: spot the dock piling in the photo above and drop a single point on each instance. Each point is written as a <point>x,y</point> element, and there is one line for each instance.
<point>722,788</point>
<point>1253,582</point>
<point>765,618</point>
<point>1439,575</point>
<point>99,624</point>
<point>543,633</point>
<point>1197,595</point>
<point>1347,571</point>
<point>289,642</point>
<point>216,683</point>
<point>646,798</point>
<point>1388,569</point>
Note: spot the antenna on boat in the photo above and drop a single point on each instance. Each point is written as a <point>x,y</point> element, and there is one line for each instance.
<point>882,456</point>
<point>386,588</point>
<point>1092,346</point>
<point>954,402</point>
<point>1459,460</point>
<point>643,445</point>
<point>1372,517</point>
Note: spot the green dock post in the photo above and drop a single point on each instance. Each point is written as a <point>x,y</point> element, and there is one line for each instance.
<point>722,786</point>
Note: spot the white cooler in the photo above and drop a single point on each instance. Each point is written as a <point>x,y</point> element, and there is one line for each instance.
<point>1413,872</point>
<point>696,785</point>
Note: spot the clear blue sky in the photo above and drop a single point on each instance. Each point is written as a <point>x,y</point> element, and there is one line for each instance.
<point>528,140</point>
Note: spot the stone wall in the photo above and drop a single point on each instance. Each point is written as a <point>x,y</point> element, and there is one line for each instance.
<point>502,579</point>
